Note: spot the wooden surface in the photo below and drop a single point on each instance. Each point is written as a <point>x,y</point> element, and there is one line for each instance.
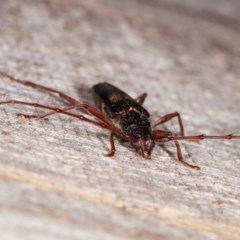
<point>56,182</point>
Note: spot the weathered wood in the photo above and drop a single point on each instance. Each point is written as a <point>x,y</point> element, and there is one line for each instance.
<point>56,182</point>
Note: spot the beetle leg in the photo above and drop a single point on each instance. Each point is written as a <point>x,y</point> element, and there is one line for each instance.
<point>44,115</point>
<point>168,117</point>
<point>161,135</point>
<point>140,99</point>
<point>73,102</point>
<point>180,157</point>
<point>54,109</point>
<point>64,96</point>
<point>164,136</point>
<point>113,149</point>
<point>103,123</point>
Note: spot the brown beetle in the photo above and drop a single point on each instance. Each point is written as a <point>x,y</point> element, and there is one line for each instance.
<point>122,115</point>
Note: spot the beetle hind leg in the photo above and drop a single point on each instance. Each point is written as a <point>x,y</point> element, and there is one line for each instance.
<point>140,99</point>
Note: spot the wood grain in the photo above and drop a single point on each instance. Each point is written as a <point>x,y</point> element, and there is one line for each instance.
<point>56,182</point>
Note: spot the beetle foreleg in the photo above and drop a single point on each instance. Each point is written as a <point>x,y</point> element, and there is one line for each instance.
<point>113,149</point>
<point>168,117</point>
<point>180,157</point>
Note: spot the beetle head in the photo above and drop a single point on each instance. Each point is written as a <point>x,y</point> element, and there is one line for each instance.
<point>144,145</point>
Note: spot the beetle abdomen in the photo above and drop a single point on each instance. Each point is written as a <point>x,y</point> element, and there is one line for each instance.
<point>114,101</point>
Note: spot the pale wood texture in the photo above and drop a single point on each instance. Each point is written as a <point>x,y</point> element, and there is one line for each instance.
<point>56,182</point>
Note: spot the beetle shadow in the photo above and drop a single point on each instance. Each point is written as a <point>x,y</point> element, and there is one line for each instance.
<point>85,93</point>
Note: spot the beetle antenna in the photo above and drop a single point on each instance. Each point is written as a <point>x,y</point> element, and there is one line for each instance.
<point>203,137</point>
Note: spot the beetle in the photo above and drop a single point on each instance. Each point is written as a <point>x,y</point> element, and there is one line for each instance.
<point>122,115</point>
